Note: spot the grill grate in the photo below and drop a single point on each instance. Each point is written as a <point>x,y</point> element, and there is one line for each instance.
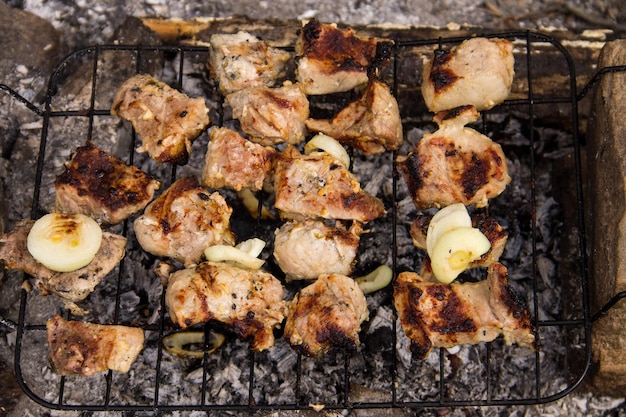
<point>505,375</point>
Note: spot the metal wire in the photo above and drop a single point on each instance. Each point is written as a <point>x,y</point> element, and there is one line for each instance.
<point>580,322</point>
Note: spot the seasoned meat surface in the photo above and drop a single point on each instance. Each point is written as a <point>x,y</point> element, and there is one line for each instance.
<point>183,221</point>
<point>249,301</point>
<point>308,249</point>
<point>478,72</point>
<point>326,314</point>
<point>71,286</point>
<point>271,116</point>
<point>86,348</point>
<point>317,185</point>
<point>455,164</point>
<point>166,120</point>
<point>445,315</point>
<point>332,60</point>
<point>102,186</point>
<point>371,124</point>
<point>235,162</point>
<point>242,60</point>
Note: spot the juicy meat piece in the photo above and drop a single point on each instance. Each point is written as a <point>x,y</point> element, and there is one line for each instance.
<point>317,185</point>
<point>241,60</point>
<point>371,124</point>
<point>445,315</point>
<point>71,286</point>
<point>455,164</point>
<point>183,221</point>
<point>86,348</point>
<point>489,226</point>
<point>235,162</point>
<point>306,250</point>
<point>326,314</point>
<point>270,116</point>
<point>102,186</point>
<point>249,301</point>
<point>331,60</point>
<point>166,120</point>
<point>478,72</point>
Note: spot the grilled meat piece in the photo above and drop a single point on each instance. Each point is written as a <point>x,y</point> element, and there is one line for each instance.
<point>241,60</point>
<point>249,301</point>
<point>235,162</point>
<point>270,116</point>
<point>102,186</point>
<point>489,226</point>
<point>371,124</point>
<point>306,250</point>
<point>331,60</point>
<point>183,221</point>
<point>445,315</point>
<point>326,314</point>
<point>166,120</point>
<point>478,72</point>
<point>455,164</point>
<point>86,348</point>
<point>71,286</point>
<point>318,185</point>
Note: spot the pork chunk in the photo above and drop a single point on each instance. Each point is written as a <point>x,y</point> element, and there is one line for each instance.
<point>249,301</point>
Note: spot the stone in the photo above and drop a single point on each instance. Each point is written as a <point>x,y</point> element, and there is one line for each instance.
<point>29,44</point>
<point>606,202</point>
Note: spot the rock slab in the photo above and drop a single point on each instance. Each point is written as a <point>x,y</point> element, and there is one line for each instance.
<point>606,216</point>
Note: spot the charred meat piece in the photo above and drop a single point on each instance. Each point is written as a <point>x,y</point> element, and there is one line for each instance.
<point>478,72</point>
<point>102,186</point>
<point>235,162</point>
<point>489,226</point>
<point>318,185</point>
<point>331,60</point>
<point>86,348</point>
<point>371,124</point>
<point>241,60</point>
<point>326,314</point>
<point>166,120</point>
<point>249,301</point>
<point>183,221</point>
<point>455,164</point>
<point>306,250</point>
<point>445,315</point>
<point>71,286</point>
<point>270,116</point>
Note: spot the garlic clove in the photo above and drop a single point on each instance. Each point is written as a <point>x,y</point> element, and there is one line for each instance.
<point>64,242</point>
<point>455,250</point>
<point>446,219</point>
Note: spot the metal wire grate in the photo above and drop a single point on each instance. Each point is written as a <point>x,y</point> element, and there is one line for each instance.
<point>567,331</point>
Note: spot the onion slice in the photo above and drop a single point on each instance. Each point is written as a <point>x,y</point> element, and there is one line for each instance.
<point>64,242</point>
<point>237,255</point>
<point>330,145</point>
<point>376,280</point>
<point>180,343</point>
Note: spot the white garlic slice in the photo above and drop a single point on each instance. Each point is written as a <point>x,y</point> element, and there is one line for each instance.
<point>455,250</point>
<point>446,219</point>
<point>64,242</point>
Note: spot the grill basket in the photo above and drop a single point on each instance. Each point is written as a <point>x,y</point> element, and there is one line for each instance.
<point>544,223</point>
